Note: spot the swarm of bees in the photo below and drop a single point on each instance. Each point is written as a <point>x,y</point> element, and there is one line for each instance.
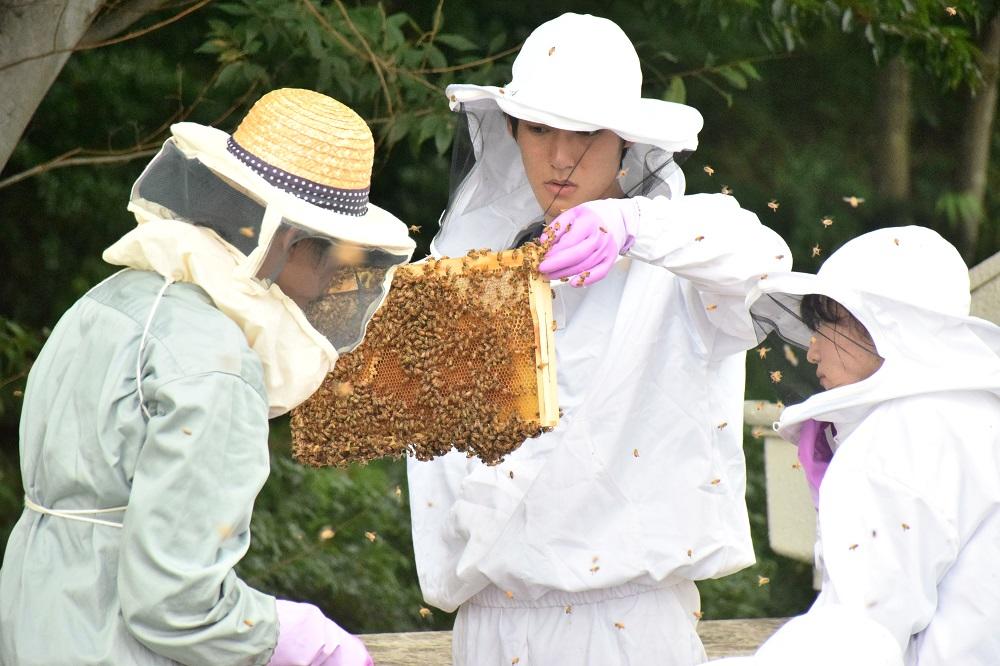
<point>461,355</point>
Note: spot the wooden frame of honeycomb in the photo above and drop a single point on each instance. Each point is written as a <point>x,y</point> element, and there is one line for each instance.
<point>461,354</point>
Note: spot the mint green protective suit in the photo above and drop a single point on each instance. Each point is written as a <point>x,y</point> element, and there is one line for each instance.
<point>160,589</point>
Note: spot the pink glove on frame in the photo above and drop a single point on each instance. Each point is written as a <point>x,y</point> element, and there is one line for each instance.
<point>588,239</point>
<point>814,454</point>
<point>306,637</point>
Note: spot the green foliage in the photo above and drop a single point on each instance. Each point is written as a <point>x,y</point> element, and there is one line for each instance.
<point>18,348</point>
<point>385,66</point>
<point>340,539</point>
<point>773,587</point>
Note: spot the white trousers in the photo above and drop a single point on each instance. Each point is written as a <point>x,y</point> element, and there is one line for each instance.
<point>629,625</point>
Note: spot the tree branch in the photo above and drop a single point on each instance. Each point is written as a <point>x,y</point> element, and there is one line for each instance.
<point>108,42</point>
<point>67,160</point>
<point>118,19</point>
<point>376,63</point>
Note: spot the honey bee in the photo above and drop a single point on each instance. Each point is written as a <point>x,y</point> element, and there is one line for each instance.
<point>552,50</point>
<point>619,625</point>
<point>762,351</point>
<point>699,238</point>
<point>905,526</point>
<point>853,546</point>
<point>775,376</point>
<point>715,482</point>
<point>635,453</point>
<point>186,430</point>
<point>726,189</point>
<point>827,221</point>
<point>711,306</point>
<point>854,201</point>
<point>722,425</point>
<point>709,170</point>
<point>414,228</point>
<point>371,536</point>
<point>697,614</point>
<point>425,612</point>
<point>773,205</point>
<point>950,11</point>
<point>762,581</point>
<point>817,250</point>
<point>247,231</point>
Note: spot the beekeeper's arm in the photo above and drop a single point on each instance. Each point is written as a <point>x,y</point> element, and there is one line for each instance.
<point>202,463</point>
<point>707,239</point>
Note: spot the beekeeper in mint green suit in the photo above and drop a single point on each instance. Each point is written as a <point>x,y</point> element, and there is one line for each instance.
<point>143,437</point>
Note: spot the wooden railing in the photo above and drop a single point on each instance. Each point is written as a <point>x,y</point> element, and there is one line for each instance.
<point>722,638</point>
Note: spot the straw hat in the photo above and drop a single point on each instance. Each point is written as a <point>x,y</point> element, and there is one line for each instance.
<point>307,155</point>
<point>580,72</point>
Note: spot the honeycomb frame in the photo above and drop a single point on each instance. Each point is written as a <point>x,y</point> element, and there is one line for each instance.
<point>461,355</point>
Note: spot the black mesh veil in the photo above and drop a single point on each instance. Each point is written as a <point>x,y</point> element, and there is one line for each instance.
<point>193,193</point>
<point>337,284</point>
<point>489,195</point>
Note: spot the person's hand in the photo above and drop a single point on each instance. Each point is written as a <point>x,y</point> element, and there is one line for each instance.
<point>586,240</point>
<point>306,637</point>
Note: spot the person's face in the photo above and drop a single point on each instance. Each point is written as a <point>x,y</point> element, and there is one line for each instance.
<point>550,155</point>
<point>842,352</point>
<point>307,272</point>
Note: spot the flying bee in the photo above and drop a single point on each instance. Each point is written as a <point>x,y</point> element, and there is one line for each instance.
<point>773,205</point>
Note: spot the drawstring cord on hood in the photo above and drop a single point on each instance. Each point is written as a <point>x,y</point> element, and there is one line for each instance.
<point>167,281</point>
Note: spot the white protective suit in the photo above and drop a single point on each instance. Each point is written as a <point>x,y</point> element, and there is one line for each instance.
<point>909,508</point>
<point>581,547</point>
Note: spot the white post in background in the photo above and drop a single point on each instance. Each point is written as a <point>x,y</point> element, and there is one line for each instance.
<point>791,517</point>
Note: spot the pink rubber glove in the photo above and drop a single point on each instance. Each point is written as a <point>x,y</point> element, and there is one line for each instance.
<point>306,637</point>
<point>588,239</point>
<point>814,454</point>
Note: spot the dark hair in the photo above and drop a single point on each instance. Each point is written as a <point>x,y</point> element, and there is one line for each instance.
<point>817,309</point>
<point>513,121</point>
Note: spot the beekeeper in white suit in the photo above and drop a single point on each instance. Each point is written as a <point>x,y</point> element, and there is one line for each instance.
<point>583,545</point>
<point>903,446</point>
<point>144,429</point>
